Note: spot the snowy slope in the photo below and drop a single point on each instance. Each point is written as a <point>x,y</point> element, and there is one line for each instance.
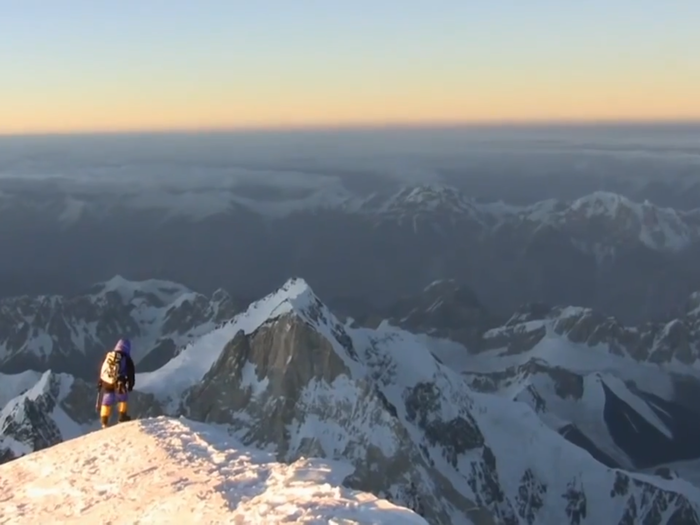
<point>625,389</point>
<point>12,385</point>
<point>166,470</point>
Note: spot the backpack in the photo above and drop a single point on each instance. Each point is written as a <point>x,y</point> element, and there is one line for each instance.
<point>111,367</point>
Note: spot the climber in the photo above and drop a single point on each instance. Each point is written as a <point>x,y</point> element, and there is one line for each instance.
<point>117,378</point>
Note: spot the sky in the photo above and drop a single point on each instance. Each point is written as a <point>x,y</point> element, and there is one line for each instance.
<point>88,65</point>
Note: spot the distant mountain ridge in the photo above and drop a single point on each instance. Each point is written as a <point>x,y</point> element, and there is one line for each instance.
<point>70,334</point>
<point>625,393</point>
<point>632,260</point>
<point>658,228</point>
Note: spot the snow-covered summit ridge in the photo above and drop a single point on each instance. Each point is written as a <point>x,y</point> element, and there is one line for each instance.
<point>294,297</point>
<point>179,470</point>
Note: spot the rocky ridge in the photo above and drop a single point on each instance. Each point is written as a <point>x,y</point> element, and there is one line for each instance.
<point>66,334</point>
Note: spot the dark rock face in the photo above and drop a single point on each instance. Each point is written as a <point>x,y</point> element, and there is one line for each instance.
<point>646,445</point>
<point>444,309</point>
<point>291,372</point>
<point>286,375</point>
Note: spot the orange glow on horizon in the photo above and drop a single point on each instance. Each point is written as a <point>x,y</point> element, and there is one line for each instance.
<point>427,103</point>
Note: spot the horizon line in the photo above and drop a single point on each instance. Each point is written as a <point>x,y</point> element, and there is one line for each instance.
<point>368,126</point>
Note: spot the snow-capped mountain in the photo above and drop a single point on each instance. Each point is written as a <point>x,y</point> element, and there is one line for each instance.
<point>178,470</point>
<point>599,221</point>
<point>499,437</point>
<point>612,217</point>
<point>69,334</point>
<point>626,394</point>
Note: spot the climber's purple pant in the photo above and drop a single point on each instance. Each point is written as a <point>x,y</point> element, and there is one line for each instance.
<point>109,398</point>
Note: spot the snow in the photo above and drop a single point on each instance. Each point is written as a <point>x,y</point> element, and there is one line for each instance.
<point>190,365</point>
<point>149,304</point>
<point>689,470</point>
<point>345,398</point>
<point>558,350</point>
<point>13,409</point>
<point>12,385</point>
<point>586,413</point>
<point>167,470</point>
<point>553,458</point>
<point>40,344</point>
<point>249,379</point>
<point>661,229</point>
<point>35,391</point>
<point>454,355</point>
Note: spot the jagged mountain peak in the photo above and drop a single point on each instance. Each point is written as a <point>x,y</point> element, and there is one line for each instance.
<point>294,298</point>
<point>66,334</point>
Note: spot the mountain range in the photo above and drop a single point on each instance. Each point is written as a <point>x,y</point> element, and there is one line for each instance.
<point>550,415</point>
<point>628,259</point>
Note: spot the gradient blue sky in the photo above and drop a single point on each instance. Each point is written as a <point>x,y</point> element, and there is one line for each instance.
<point>137,64</point>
